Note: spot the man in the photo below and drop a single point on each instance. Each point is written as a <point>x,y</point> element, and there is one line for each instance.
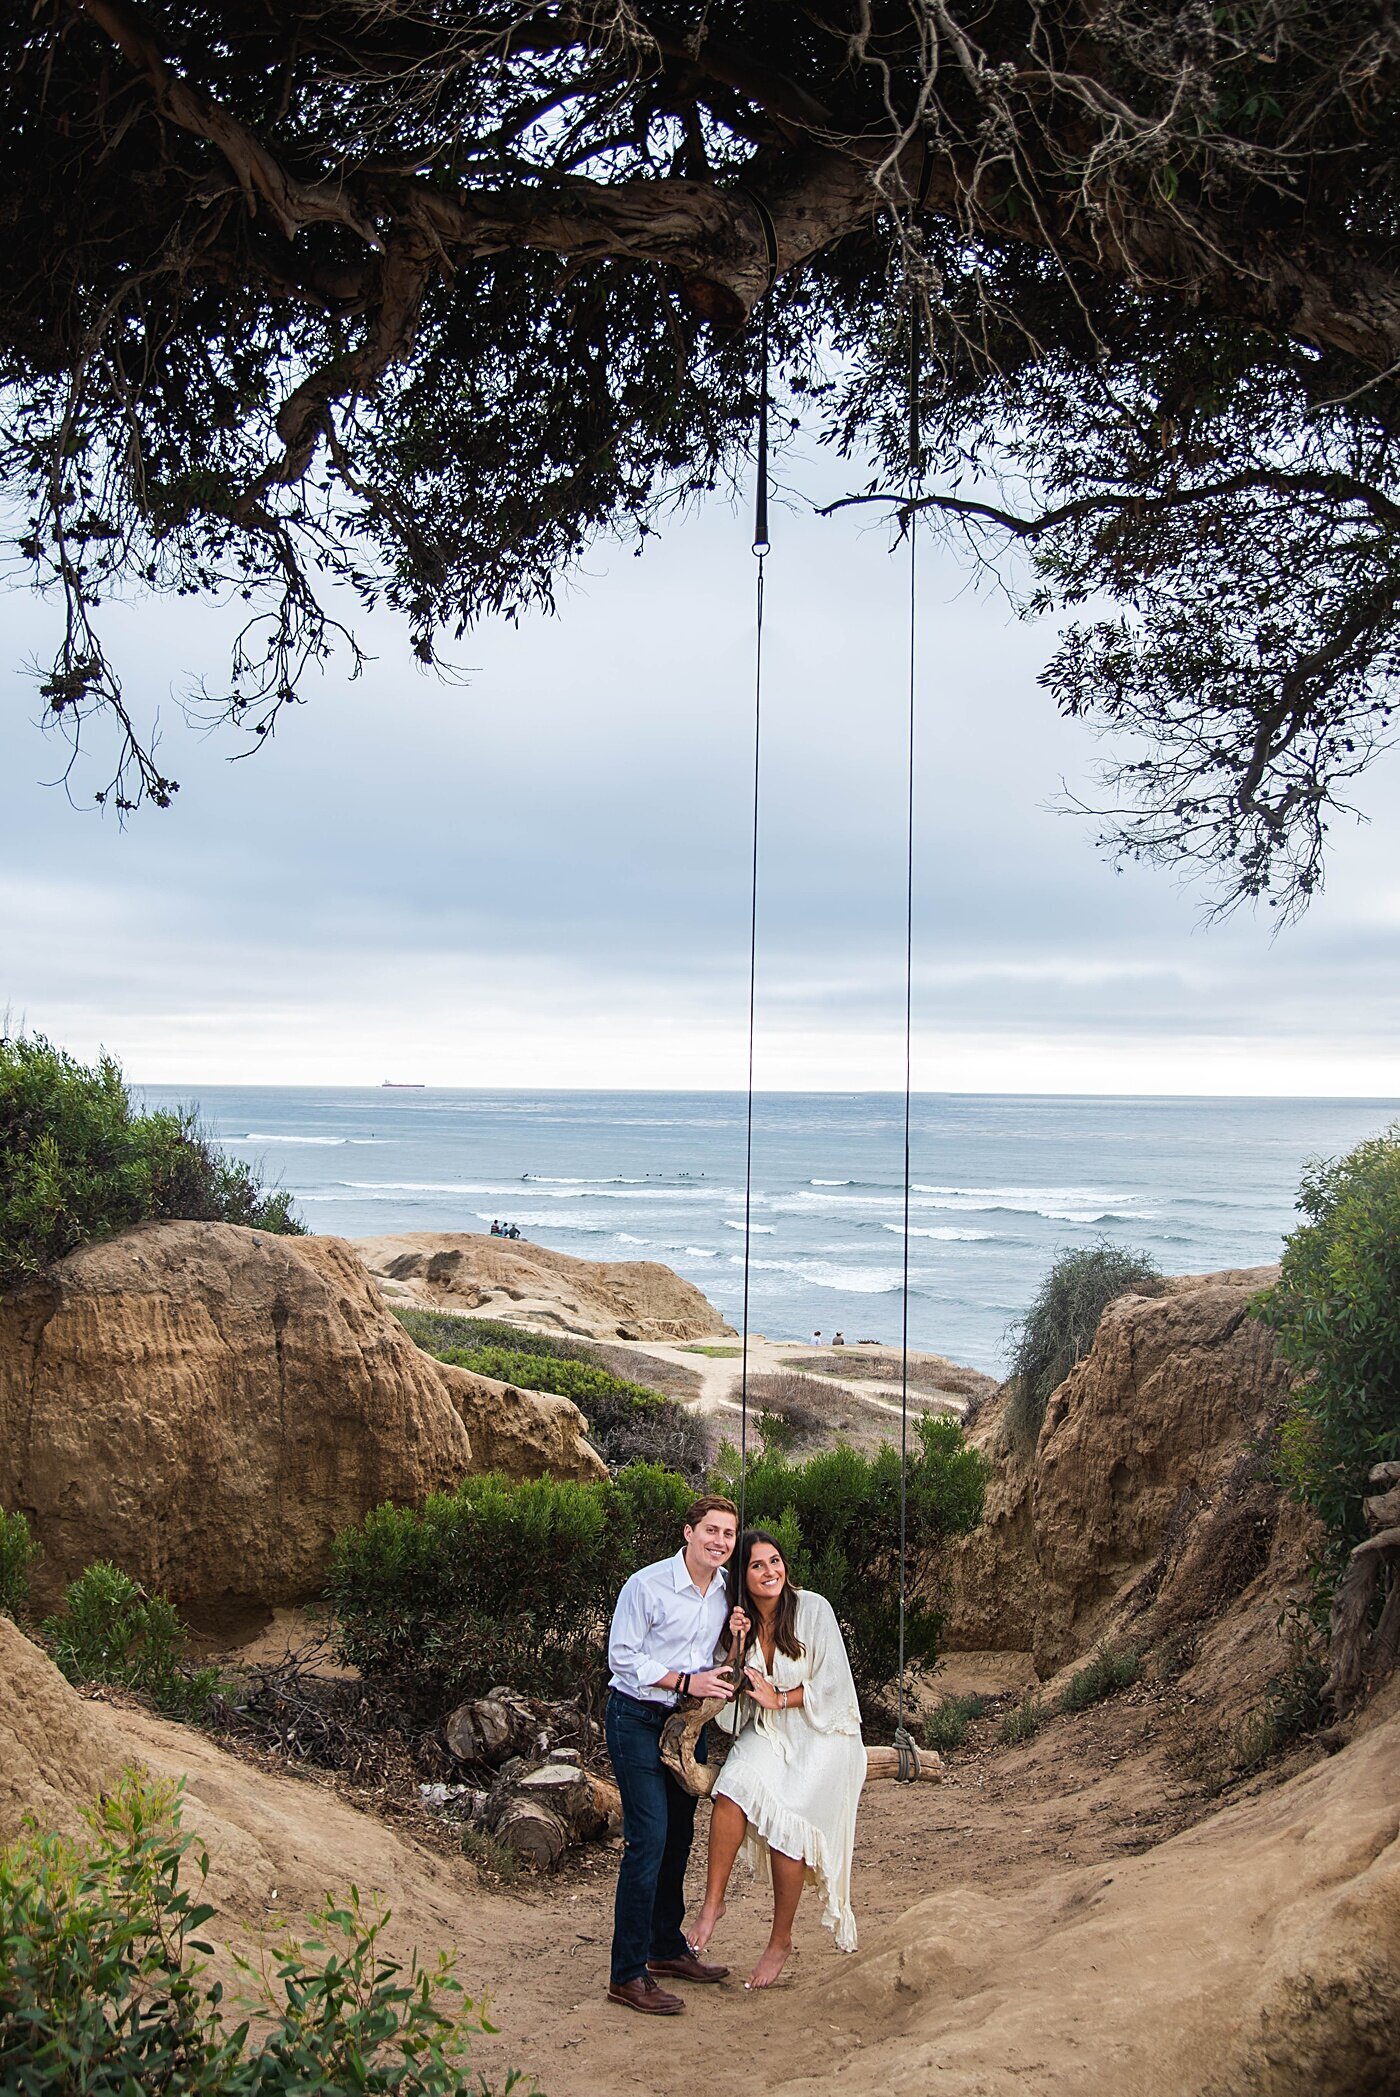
<point>666,1628</point>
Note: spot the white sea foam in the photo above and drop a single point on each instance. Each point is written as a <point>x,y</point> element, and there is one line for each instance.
<point>763,1230</point>
<point>700,1252</point>
<point>948,1233</point>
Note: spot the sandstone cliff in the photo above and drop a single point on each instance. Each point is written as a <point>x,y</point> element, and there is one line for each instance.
<point>526,1284</point>
<point>208,1405</point>
<point>1146,1506</point>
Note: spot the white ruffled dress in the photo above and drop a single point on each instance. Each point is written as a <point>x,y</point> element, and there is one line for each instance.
<point>797,1775</point>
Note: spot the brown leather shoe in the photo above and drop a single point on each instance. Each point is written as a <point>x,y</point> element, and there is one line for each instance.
<point>644,1995</point>
<point>687,1965</point>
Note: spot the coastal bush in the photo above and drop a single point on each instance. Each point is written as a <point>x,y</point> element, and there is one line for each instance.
<point>627,1422</point>
<point>105,1988</point>
<point>945,1727</point>
<point>1058,1330</point>
<point>436,1332</point>
<point>1335,1312</point>
<point>501,1582</point>
<point>1023,1721</point>
<point>498,1582</point>
<point>78,1162</point>
<point>1111,1669</point>
<point>836,1517</point>
<point>18,1552</point>
<point>112,1631</point>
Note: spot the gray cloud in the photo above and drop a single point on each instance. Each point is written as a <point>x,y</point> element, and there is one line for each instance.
<point>542,877</point>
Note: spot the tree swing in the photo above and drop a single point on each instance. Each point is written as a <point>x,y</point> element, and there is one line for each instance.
<point>904,1761</point>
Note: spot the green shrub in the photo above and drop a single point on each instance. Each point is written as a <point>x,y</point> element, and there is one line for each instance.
<point>438,1331</point>
<point>104,1988</point>
<point>1111,1669</point>
<point>112,1631</point>
<point>1024,1722</point>
<point>945,1727</point>
<point>1058,1330</point>
<point>837,1519</point>
<point>1336,1314</point>
<point>77,1162</point>
<point>627,1422</point>
<point>18,1552</point>
<point>498,1582</point>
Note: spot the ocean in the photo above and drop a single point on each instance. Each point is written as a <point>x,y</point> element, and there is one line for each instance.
<point>999,1185</point>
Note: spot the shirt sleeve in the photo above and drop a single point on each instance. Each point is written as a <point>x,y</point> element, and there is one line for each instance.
<point>627,1639</point>
<point>829,1701</point>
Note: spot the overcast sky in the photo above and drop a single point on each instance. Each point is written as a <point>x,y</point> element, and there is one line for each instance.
<point>541,879</point>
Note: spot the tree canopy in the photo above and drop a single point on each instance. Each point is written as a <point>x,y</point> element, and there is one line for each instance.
<point>419,296</point>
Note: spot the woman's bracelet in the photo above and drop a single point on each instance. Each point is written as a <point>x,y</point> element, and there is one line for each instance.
<point>782,1700</point>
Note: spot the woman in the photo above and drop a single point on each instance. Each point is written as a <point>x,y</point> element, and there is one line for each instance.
<point>788,1790</point>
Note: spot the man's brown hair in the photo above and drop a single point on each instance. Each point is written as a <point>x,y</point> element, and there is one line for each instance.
<point>711,1503</point>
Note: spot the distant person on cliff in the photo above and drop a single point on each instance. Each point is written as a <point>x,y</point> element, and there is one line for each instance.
<point>666,1629</point>
<point>788,1789</point>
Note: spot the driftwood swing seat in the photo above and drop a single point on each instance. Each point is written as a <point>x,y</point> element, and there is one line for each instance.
<point>680,1738</point>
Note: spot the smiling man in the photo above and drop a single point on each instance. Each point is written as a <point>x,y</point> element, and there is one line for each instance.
<point>665,1631</point>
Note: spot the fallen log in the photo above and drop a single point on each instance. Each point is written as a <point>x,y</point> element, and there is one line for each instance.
<point>541,1814</point>
<point>680,1738</point>
<point>490,1729</point>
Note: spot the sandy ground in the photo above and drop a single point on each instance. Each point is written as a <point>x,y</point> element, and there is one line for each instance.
<point>1088,1792</point>
<point>718,1368</point>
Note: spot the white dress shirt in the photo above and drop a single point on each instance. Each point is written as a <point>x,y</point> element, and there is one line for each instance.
<point>663,1625</point>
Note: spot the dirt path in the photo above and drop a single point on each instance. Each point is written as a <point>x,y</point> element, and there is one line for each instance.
<point>718,1371</point>
<point>1089,1791</point>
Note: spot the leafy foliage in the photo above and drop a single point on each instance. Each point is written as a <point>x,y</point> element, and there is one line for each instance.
<point>836,1518</point>
<point>466,288</point>
<point>104,1985</point>
<point>497,1582</point>
<point>1111,1669</point>
<point>1336,1314</point>
<point>1058,1330</point>
<point>945,1727</point>
<point>627,1422</point>
<point>18,1552</point>
<point>77,1162</point>
<point>1023,1721</point>
<point>112,1631</point>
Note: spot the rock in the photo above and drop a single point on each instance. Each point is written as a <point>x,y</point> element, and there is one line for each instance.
<point>55,1750</point>
<point>1144,1507</point>
<point>1255,1955</point>
<point>524,1284</point>
<point>207,1406</point>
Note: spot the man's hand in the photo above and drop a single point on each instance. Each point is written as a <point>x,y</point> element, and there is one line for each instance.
<point>712,1682</point>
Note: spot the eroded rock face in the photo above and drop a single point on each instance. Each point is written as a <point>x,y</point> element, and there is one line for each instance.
<point>512,1279</point>
<point>207,1406</point>
<point>1147,1504</point>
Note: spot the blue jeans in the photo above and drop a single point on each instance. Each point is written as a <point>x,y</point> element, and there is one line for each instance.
<point>658,1824</point>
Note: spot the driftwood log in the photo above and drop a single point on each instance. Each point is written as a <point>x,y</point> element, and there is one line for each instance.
<point>1358,1654</point>
<point>541,1814</point>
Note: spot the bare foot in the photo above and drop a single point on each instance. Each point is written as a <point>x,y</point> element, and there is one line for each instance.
<point>705,1924</point>
<point>769,1966</point>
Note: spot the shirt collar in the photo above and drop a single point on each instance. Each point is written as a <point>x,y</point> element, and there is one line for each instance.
<point>681,1576</point>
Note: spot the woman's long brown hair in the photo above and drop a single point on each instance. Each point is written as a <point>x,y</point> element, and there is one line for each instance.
<point>785,1636</point>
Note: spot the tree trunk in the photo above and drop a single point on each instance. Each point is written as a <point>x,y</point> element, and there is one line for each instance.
<point>541,1814</point>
